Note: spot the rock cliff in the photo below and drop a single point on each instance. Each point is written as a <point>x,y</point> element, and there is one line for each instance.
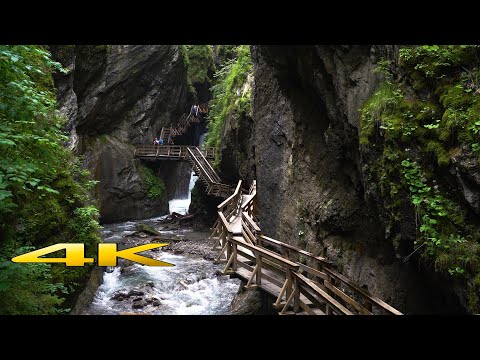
<point>114,97</point>
<point>304,139</point>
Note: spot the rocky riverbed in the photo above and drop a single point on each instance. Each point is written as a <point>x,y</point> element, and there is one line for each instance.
<point>195,285</point>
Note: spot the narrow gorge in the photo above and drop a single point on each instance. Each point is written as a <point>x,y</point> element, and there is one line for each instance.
<point>349,172</point>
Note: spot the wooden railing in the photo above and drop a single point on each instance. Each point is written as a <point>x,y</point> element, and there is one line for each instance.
<point>226,210</point>
<point>170,151</point>
<point>200,159</point>
<point>228,206</point>
<point>197,158</point>
<point>240,255</point>
<point>317,287</point>
<point>207,174</point>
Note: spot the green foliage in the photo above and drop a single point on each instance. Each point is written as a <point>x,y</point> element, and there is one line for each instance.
<point>380,112</point>
<point>413,125</point>
<point>225,53</point>
<point>32,291</point>
<point>436,61</point>
<point>155,187</point>
<point>43,191</point>
<point>199,62</point>
<point>441,220</point>
<point>231,94</point>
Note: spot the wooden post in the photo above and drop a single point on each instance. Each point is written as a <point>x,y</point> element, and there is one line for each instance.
<point>296,297</point>
<point>368,304</point>
<point>328,309</point>
<point>279,298</point>
<point>288,290</point>
<point>222,236</point>
<point>235,257</point>
<point>229,248</point>
<point>258,280</point>
<point>319,268</point>
<point>251,276</point>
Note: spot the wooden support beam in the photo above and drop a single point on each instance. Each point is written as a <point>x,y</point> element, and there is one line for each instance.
<point>255,269</point>
<point>287,303</point>
<point>228,264</point>
<point>282,291</point>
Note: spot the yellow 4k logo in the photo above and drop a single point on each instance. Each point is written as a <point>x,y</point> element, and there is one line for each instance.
<point>107,255</point>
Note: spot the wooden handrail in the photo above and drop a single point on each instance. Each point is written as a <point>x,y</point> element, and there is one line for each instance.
<point>250,221</point>
<point>225,222</point>
<point>168,151</point>
<point>363,292</point>
<point>194,158</point>
<point>330,301</point>
<point>227,200</point>
<point>267,254</point>
<point>207,165</point>
<point>307,254</point>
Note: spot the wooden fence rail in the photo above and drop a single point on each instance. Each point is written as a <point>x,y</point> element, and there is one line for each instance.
<point>174,152</point>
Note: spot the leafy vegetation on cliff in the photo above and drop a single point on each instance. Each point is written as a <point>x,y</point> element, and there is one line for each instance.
<point>231,94</point>
<point>199,62</point>
<point>44,194</point>
<point>424,118</point>
<point>224,53</point>
<point>154,186</point>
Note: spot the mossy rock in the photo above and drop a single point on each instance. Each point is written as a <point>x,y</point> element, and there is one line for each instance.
<point>146,229</point>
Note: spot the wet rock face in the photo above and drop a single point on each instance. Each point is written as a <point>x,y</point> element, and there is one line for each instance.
<point>305,132</point>
<point>114,97</point>
<point>465,168</point>
<point>308,166</point>
<point>134,85</point>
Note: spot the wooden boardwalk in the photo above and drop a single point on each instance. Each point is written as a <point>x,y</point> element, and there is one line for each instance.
<point>301,283</point>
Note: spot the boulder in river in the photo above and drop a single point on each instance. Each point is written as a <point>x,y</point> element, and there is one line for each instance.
<point>135,292</point>
<point>153,301</point>
<point>139,303</point>
<point>147,229</point>
<point>120,295</point>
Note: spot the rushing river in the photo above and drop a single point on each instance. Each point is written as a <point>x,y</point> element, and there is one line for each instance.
<point>192,286</point>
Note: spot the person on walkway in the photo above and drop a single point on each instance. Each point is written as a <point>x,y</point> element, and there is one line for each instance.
<point>156,141</point>
<point>194,110</point>
<point>160,142</point>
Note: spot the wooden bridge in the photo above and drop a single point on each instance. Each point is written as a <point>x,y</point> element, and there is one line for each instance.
<point>170,152</point>
<point>300,282</point>
<point>198,159</point>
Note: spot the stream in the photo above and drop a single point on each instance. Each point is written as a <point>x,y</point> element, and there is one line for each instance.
<point>192,286</point>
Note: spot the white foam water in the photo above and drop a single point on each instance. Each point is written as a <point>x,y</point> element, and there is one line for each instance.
<point>190,287</point>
